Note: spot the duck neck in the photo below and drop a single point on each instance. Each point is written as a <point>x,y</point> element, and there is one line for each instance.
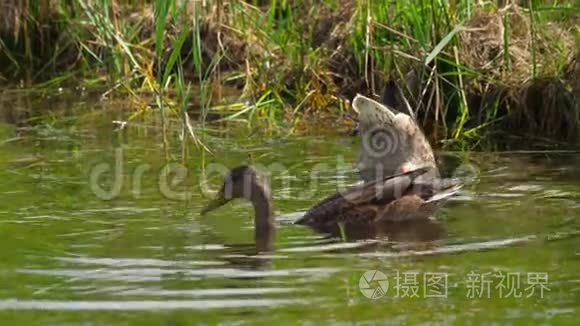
<point>263,220</point>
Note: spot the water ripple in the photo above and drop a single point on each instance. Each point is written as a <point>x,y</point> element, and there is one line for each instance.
<point>16,304</point>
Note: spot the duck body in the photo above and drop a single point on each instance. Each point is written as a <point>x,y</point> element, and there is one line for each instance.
<point>404,197</point>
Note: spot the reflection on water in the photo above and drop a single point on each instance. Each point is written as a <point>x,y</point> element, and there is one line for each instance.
<point>63,249</point>
<point>14,304</point>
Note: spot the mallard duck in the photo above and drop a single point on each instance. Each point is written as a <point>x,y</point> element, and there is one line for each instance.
<point>397,198</point>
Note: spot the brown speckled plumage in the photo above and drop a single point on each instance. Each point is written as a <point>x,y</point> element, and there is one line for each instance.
<point>395,198</point>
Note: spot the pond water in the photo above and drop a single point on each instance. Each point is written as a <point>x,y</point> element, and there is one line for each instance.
<point>96,226</point>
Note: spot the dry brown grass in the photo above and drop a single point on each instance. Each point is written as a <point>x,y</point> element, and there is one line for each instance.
<point>483,46</point>
<point>318,68</point>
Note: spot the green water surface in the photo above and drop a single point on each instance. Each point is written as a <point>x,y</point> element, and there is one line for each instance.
<point>74,250</point>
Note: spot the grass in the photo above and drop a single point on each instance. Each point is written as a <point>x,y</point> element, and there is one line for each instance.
<point>467,69</point>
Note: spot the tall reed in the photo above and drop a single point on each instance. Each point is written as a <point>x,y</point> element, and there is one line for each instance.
<point>289,60</point>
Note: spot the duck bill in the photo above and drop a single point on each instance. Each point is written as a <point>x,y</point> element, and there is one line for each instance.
<point>213,204</point>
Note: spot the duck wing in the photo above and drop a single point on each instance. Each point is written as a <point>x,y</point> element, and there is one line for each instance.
<point>389,140</point>
<point>421,201</point>
<point>361,204</point>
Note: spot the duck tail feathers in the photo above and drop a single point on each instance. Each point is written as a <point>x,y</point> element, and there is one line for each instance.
<point>445,193</point>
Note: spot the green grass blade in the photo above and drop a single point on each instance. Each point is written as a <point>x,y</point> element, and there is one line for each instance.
<point>442,44</point>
